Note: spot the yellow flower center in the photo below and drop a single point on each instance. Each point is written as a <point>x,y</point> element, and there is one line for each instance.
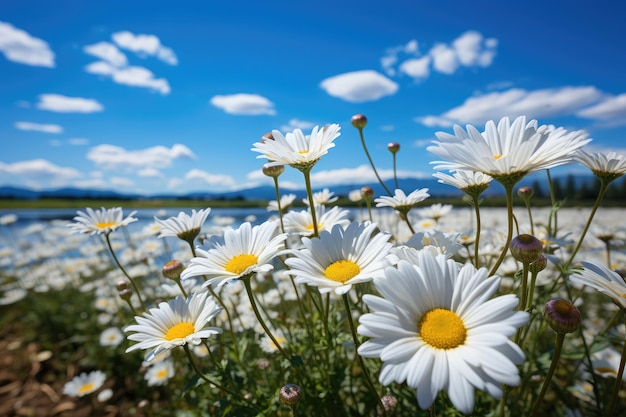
<point>442,329</point>
<point>605,370</point>
<point>162,374</point>
<point>311,227</point>
<point>341,271</point>
<point>180,330</point>
<point>240,263</point>
<point>86,388</point>
<point>104,225</point>
<point>496,157</point>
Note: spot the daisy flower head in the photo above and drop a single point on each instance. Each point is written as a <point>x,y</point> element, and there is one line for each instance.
<point>322,197</point>
<point>436,328</point>
<point>183,226</point>
<point>297,149</point>
<point>603,279</point>
<point>607,166</point>
<point>340,258</point>
<point>159,373</point>
<point>176,322</point>
<point>285,203</point>
<point>103,221</point>
<point>507,151</point>
<point>84,384</point>
<point>472,183</point>
<point>402,202</point>
<point>301,222</point>
<point>237,254</point>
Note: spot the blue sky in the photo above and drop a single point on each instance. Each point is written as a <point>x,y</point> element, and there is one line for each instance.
<point>151,97</point>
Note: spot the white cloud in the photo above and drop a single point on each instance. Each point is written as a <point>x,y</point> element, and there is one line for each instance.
<point>62,104</point>
<point>78,141</point>
<point>38,127</point>
<point>392,55</point>
<point>38,168</point>
<point>217,180</point>
<point>549,102</point>
<point>444,59</point>
<point>416,67</point>
<point>472,49</point>
<point>145,45</point>
<point>133,76</point>
<point>150,173</point>
<point>108,52</point>
<point>359,86</point>
<point>121,182</point>
<point>244,104</point>
<point>19,46</point>
<point>297,124</point>
<point>613,107</point>
<point>360,174</point>
<point>115,157</point>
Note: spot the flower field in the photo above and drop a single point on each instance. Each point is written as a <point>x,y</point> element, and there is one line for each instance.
<point>396,308</point>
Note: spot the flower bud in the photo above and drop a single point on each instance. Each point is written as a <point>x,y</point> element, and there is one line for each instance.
<point>173,269</point>
<point>122,284</point>
<point>367,192</point>
<point>393,147</point>
<point>526,248</point>
<point>290,394</point>
<point>125,294</point>
<point>539,264</point>
<point>359,121</point>
<point>562,315</point>
<point>273,170</point>
<point>387,404</point>
<point>267,136</point>
<point>525,192</point>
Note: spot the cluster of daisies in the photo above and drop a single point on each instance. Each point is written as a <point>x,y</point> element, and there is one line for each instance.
<point>436,324</point>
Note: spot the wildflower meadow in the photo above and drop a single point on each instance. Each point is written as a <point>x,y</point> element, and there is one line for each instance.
<point>397,307</point>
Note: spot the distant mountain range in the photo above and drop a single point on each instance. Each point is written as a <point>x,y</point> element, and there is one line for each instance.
<point>435,189</point>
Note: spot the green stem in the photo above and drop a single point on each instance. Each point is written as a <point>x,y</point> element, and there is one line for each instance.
<point>603,187</point>
<point>280,209</point>
<point>395,175</point>
<point>476,205</point>
<point>509,207</point>
<point>372,162</point>
<point>618,383</point>
<point>404,215</point>
<point>555,360</point>
<point>309,192</point>
<point>119,265</point>
<point>355,337</point>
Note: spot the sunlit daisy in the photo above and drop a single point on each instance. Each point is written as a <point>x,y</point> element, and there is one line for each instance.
<point>435,211</point>
<point>183,226</point>
<point>436,328</point>
<point>602,279</point>
<point>111,337</point>
<point>324,196</point>
<point>159,373</point>
<point>297,149</point>
<point>301,222</point>
<point>507,151</point>
<point>470,182</point>
<point>103,221</point>
<point>240,252</point>
<point>174,323</point>
<point>84,384</point>
<point>341,258</point>
<point>286,201</point>
<point>402,202</point>
<point>609,166</point>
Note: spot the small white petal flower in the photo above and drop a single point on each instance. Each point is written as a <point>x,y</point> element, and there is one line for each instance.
<point>183,226</point>
<point>84,384</point>
<point>301,222</point>
<point>322,197</point>
<point>174,323</point>
<point>111,337</point>
<point>436,328</point>
<point>240,252</point>
<point>606,165</point>
<point>159,373</point>
<point>285,203</point>
<point>602,279</point>
<point>296,149</point>
<point>102,221</point>
<point>402,202</point>
<point>341,258</point>
<point>466,181</point>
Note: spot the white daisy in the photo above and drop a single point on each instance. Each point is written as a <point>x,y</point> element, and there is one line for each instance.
<point>296,149</point>
<point>84,384</point>
<point>436,329</point>
<point>240,252</point>
<point>111,337</point>
<point>301,222</point>
<point>174,323</point>
<point>467,181</point>
<point>103,221</point>
<point>341,258</point>
<point>159,373</point>
<point>435,211</point>
<point>605,165</point>
<point>508,150</point>
<point>183,226</point>
<point>285,203</point>
<point>602,279</point>
<point>322,197</point>
<point>402,202</point>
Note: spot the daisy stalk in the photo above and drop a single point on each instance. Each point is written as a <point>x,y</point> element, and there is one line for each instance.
<point>618,379</point>
<point>359,121</point>
<point>119,265</point>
